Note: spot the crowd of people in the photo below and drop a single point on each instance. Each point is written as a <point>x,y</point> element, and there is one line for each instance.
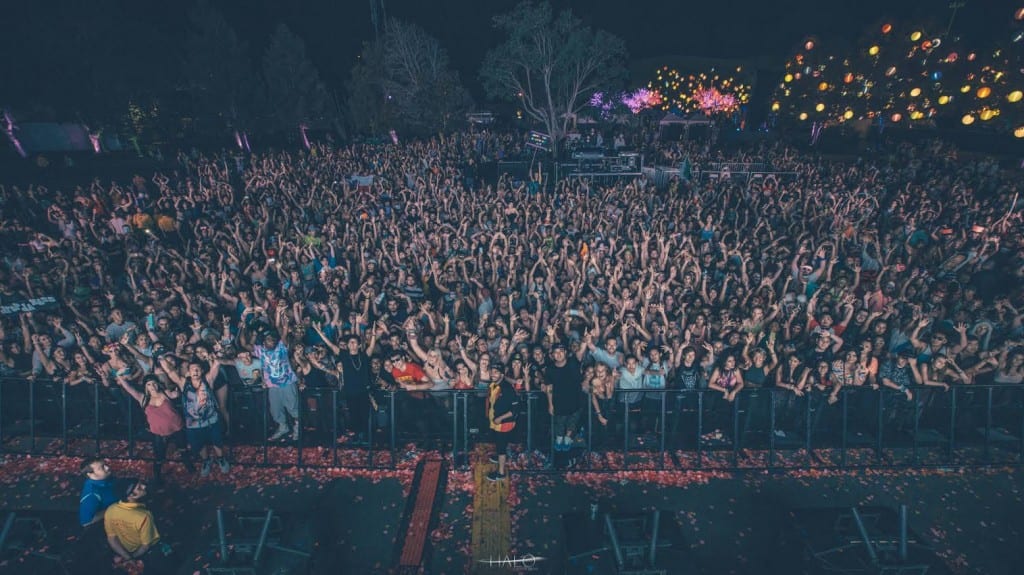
<point>372,268</point>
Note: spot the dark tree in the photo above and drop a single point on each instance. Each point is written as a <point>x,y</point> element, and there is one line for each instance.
<point>405,77</point>
<point>218,72</point>
<point>295,94</point>
<point>550,65</point>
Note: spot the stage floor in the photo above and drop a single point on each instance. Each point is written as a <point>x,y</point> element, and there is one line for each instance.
<point>352,520</point>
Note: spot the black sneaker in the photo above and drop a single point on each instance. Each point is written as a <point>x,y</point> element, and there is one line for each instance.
<point>495,476</point>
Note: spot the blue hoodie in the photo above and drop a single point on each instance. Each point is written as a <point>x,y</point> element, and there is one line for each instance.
<point>96,496</point>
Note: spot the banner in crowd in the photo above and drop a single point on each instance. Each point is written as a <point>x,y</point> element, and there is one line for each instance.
<point>28,305</point>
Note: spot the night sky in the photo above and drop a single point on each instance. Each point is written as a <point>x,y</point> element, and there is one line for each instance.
<point>42,48</point>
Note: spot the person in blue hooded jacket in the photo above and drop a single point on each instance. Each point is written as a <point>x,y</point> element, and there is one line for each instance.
<point>98,492</point>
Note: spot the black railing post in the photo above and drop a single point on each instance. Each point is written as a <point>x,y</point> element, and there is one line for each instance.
<point>700,427</point>
<point>465,426</point>
<point>32,415</point>
<point>265,402</point>
<point>625,431</point>
<point>131,431</point>
<point>64,416</point>
<point>529,421</point>
<point>771,427</point>
<point>881,424</point>
<point>301,409</point>
<point>807,422</point>
<point>661,430</point>
<point>455,429</point>
<point>917,416</point>
<point>988,422</point>
<point>951,445</point>
<point>736,430</point>
<point>96,415</point>
<point>392,418</point>
<point>334,432</point>
<point>842,445</point>
<point>2,382</point>
<point>590,425</point>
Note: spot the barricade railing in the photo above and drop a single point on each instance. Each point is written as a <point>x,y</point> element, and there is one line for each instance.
<point>763,428</point>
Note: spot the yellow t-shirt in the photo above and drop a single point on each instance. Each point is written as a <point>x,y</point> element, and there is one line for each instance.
<point>132,523</point>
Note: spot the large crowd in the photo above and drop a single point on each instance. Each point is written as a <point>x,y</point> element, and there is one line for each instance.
<point>370,268</point>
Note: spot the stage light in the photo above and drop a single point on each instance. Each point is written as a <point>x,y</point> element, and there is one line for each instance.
<point>1019,132</point>
<point>886,28</point>
<point>1014,96</point>
<point>967,120</point>
<point>915,35</point>
<point>915,92</point>
<point>984,92</point>
<point>803,116</point>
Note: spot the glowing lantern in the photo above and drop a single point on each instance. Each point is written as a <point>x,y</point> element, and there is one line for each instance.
<point>848,77</point>
<point>823,86</point>
<point>1019,132</point>
<point>896,117</point>
<point>915,35</point>
<point>803,116</point>
<point>890,71</point>
<point>915,92</point>
<point>820,107</point>
<point>874,50</point>
<point>775,106</point>
<point>787,78</point>
<point>848,114</point>
<point>965,88</point>
<point>886,28</point>
<point>809,45</point>
<point>943,100</point>
<point>1014,96</point>
<point>984,92</point>
<point>988,114</point>
<point>967,120</point>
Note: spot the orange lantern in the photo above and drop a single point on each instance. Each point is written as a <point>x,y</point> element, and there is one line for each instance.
<point>984,92</point>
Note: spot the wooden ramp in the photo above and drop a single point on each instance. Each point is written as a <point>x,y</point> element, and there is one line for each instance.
<point>492,520</point>
<point>425,496</point>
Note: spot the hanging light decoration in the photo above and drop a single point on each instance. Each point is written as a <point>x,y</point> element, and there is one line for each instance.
<point>967,120</point>
<point>874,50</point>
<point>984,92</point>
<point>915,35</point>
<point>803,116</point>
<point>886,28</point>
<point>897,117</point>
<point>820,107</point>
<point>1014,96</point>
<point>915,92</point>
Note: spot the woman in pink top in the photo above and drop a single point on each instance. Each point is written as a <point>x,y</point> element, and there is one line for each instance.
<point>165,423</point>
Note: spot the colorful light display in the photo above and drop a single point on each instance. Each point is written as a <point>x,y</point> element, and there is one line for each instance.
<point>906,75</point>
<point>706,92</point>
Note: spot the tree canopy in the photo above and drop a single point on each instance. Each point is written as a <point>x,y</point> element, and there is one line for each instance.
<point>550,64</point>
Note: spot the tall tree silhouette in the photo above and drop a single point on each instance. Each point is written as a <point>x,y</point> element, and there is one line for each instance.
<point>295,93</point>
